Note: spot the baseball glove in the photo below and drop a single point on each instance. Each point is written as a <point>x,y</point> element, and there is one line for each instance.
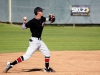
<point>51,18</point>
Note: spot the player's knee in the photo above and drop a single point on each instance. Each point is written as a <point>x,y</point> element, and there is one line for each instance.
<point>26,57</point>
<point>47,54</point>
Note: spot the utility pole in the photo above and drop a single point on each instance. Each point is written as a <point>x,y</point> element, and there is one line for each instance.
<point>10,11</point>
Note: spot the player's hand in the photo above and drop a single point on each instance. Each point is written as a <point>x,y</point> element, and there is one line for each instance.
<point>24,20</point>
<point>51,18</point>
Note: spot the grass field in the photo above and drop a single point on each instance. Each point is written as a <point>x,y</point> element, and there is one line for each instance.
<point>14,39</point>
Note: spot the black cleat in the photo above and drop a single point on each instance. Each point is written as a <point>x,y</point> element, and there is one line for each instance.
<point>49,70</point>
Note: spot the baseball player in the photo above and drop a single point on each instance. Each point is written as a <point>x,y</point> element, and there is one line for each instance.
<point>36,26</point>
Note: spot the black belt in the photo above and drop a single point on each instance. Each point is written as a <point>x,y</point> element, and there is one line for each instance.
<point>37,38</point>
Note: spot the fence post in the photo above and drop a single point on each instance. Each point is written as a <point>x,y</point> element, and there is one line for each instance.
<point>10,11</point>
<point>74,25</point>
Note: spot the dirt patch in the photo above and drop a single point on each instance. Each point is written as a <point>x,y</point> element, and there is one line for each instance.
<point>63,62</point>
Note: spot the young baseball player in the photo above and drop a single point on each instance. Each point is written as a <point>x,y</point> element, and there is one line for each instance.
<point>35,42</point>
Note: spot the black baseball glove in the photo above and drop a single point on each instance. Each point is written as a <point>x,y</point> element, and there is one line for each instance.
<point>51,18</point>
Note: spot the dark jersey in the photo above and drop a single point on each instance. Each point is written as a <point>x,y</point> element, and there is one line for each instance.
<point>36,26</point>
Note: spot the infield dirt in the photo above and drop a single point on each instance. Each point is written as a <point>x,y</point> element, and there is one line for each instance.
<point>63,62</point>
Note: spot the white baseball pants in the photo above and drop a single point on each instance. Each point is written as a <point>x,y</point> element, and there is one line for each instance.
<point>35,44</point>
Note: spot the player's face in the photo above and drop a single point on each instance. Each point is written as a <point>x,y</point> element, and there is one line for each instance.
<point>40,13</point>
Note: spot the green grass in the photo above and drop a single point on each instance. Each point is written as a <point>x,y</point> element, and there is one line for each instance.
<point>14,39</point>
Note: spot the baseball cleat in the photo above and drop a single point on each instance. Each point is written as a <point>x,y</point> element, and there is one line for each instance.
<point>8,66</point>
<point>48,70</point>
